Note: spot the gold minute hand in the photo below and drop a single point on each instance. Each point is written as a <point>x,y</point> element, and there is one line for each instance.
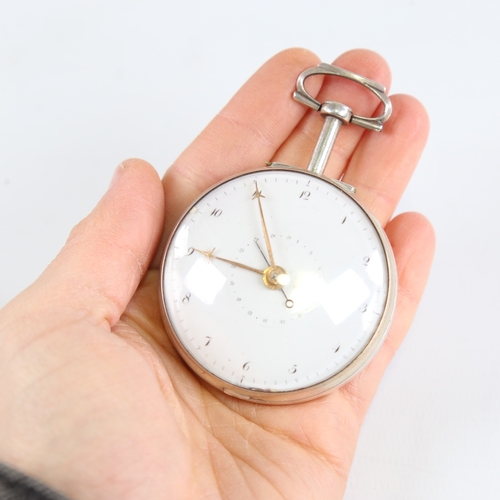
<point>210,254</point>
<point>258,194</point>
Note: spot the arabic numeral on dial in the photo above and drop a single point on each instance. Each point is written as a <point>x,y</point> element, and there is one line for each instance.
<point>216,212</point>
<point>208,341</point>
<point>186,298</point>
<point>246,366</point>
<point>363,308</point>
<point>293,369</point>
<point>190,251</point>
<point>305,195</point>
<point>366,260</point>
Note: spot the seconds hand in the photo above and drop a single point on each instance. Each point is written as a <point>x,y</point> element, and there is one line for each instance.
<point>288,302</point>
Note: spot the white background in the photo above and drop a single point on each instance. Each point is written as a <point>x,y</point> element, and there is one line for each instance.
<point>84,85</point>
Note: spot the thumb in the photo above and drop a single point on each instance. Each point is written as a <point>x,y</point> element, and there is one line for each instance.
<point>106,255</point>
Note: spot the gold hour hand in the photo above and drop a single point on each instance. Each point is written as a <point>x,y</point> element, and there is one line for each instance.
<point>274,277</point>
<point>210,254</point>
<point>258,195</point>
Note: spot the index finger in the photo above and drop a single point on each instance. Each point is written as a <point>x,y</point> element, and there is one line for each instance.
<point>244,135</point>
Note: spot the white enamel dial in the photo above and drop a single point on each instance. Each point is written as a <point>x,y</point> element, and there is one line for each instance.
<point>277,286</point>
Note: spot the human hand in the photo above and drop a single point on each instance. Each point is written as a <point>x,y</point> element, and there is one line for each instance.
<point>94,400</point>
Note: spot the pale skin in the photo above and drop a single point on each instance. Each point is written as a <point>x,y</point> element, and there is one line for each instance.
<point>95,402</point>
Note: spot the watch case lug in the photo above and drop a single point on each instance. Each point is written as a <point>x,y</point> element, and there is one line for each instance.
<point>349,188</point>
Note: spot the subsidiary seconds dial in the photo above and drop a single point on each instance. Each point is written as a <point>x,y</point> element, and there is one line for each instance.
<point>276,285</point>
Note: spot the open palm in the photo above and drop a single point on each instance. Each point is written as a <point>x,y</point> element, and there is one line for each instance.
<point>95,401</point>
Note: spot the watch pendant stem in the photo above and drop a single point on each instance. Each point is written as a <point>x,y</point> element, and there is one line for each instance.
<point>335,115</point>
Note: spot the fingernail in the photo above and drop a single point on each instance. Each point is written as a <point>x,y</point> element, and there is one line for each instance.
<point>116,176</point>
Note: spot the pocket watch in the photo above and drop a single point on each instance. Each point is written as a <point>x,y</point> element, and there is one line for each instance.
<point>277,285</point>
